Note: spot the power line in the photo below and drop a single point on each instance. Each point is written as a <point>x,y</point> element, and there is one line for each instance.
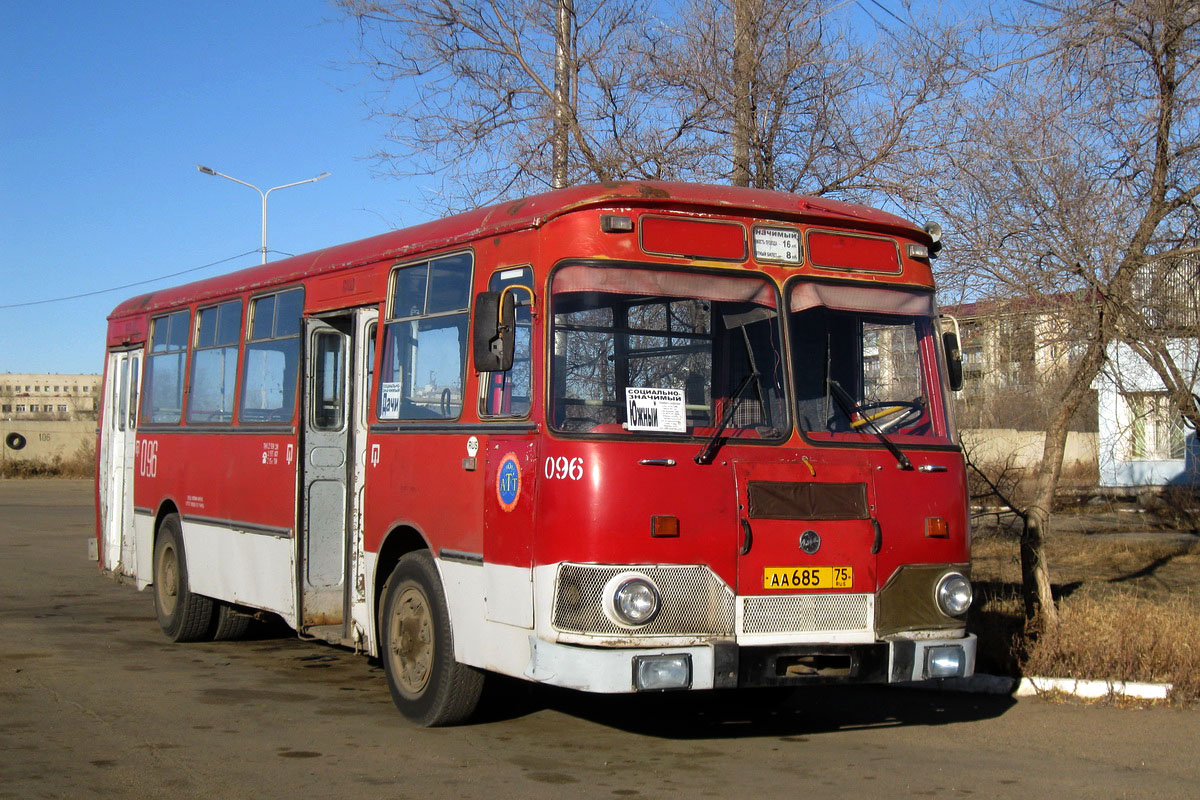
<point>128,285</point>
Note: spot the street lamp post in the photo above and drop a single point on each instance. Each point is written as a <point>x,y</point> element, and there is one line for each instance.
<point>211,171</point>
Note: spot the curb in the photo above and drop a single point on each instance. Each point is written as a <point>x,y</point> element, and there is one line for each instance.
<point>1034,687</point>
<point>981,683</point>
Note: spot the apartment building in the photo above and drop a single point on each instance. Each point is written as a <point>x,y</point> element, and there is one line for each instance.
<point>33,396</point>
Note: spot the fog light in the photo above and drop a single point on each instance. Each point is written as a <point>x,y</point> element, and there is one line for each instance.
<point>636,601</point>
<point>658,673</point>
<point>954,594</point>
<point>944,662</point>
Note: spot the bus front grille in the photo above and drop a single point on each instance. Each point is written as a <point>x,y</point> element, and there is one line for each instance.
<point>806,613</point>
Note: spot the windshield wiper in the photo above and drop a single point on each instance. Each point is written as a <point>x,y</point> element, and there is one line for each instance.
<point>848,406</point>
<point>705,456</point>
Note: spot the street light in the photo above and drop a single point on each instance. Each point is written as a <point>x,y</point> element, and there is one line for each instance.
<point>211,171</point>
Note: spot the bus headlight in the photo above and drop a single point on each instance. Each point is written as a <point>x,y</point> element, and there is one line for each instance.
<point>954,594</point>
<point>636,600</point>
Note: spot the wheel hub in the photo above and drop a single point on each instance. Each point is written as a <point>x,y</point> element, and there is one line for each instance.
<point>412,641</point>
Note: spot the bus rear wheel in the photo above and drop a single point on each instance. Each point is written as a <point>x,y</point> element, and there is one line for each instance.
<point>417,647</point>
<point>183,616</point>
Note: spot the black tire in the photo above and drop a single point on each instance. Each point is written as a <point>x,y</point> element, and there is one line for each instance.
<point>417,647</point>
<point>184,617</point>
<point>229,623</point>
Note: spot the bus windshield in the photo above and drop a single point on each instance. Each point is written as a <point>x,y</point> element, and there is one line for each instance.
<point>866,363</point>
<point>656,352</point>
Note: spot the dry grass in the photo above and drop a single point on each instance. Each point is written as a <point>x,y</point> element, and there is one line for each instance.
<point>1129,608</point>
<point>1122,638</point>
<point>81,464</point>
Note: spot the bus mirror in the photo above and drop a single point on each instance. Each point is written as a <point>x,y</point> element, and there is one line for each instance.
<point>954,365</point>
<point>495,331</point>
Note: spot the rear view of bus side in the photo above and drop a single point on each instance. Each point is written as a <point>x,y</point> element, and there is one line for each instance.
<point>619,438</point>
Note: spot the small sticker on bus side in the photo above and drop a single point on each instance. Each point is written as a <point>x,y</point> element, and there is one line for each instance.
<point>655,410</point>
<point>508,482</point>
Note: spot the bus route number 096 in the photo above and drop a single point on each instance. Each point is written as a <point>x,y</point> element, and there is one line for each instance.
<point>564,469</point>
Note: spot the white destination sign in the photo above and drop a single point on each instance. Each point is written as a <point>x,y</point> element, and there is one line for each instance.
<point>777,244</point>
<point>655,410</point>
<point>390,395</point>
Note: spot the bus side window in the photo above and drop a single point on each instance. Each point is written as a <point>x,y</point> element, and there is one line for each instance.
<point>507,394</point>
<point>214,363</point>
<point>425,340</point>
<point>271,367</point>
<point>163,396</point>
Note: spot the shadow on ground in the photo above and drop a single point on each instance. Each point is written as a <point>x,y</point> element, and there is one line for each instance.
<point>748,713</point>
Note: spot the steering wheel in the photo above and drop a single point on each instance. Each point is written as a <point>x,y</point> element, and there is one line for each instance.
<point>889,414</point>
<point>445,404</point>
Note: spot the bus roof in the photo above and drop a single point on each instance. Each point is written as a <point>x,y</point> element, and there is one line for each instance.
<point>529,212</point>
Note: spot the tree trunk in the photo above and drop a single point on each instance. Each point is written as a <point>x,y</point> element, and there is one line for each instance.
<point>743,108</point>
<point>1035,572</point>
<point>562,92</point>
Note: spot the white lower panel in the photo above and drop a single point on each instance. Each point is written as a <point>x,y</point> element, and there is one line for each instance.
<point>253,569</point>
<point>363,613</point>
<point>508,594</point>
<point>478,641</point>
<point>143,534</point>
<point>601,670</point>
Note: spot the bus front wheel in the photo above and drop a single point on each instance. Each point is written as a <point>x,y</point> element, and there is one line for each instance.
<point>417,647</point>
<point>184,617</point>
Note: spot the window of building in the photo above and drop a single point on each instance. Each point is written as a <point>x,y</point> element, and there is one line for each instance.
<point>20,409</point>
<point>272,358</point>
<point>1156,431</point>
<point>425,342</point>
<point>6,409</point>
<point>214,363</point>
<point>62,408</point>
<point>164,368</point>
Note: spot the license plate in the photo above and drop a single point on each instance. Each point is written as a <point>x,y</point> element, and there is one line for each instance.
<point>808,577</point>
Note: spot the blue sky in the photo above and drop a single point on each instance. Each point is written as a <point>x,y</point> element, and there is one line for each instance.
<point>107,109</point>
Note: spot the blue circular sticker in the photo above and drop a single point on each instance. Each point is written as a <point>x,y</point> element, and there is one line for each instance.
<point>508,482</point>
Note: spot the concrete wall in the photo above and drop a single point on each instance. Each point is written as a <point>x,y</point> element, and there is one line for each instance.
<point>1023,449</point>
<point>45,440</point>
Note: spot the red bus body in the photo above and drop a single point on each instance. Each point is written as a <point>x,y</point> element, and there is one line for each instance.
<point>801,548</point>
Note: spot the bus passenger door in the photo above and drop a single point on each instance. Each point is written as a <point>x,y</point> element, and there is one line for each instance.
<point>365,323</point>
<point>118,434</point>
<point>326,476</point>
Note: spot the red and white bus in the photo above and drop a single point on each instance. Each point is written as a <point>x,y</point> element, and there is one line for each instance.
<point>618,438</point>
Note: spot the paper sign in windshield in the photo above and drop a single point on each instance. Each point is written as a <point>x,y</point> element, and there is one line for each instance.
<point>389,400</point>
<point>655,410</point>
<point>777,244</point>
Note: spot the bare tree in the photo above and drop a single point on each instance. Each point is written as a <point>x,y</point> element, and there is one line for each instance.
<point>1078,164</point>
<point>798,96</point>
<point>512,96</point>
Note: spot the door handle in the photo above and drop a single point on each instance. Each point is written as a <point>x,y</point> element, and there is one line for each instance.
<point>747,538</point>
<point>878,543</point>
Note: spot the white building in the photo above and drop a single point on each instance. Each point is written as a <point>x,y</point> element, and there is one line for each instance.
<point>30,396</point>
<point>1143,438</point>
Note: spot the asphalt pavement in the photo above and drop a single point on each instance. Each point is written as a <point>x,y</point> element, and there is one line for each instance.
<point>95,702</point>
